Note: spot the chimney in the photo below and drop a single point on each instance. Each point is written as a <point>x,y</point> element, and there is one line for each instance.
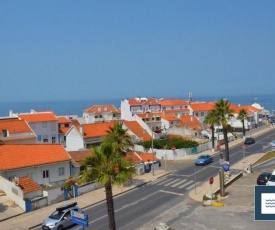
<point>81,129</point>
<point>11,113</point>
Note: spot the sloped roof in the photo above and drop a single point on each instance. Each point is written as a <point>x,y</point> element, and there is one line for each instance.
<point>15,156</point>
<point>189,119</point>
<point>137,129</point>
<point>147,156</point>
<point>80,155</point>
<point>169,117</point>
<point>133,156</point>
<point>27,185</point>
<point>38,117</point>
<point>143,101</point>
<point>14,126</point>
<point>149,115</point>
<point>63,120</point>
<point>172,102</point>
<point>97,129</point>
<point>249,108</point>
<point>101,108</point>
<point>202,106</point>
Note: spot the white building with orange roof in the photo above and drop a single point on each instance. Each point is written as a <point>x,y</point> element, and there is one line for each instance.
<point>13,130</point>
<point>83,136</point>
<point>139,105</point>
<point>43,163</point>
<point>64,125</point>
<point>200,109</point>
<point>174,106</point>
<point>44,125</point>
<point>101,113</point>
<point>136,131</point>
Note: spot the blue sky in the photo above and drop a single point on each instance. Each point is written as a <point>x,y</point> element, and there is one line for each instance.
<point>73,50</point>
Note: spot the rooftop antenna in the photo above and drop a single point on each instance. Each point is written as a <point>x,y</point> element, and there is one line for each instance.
<point>190,96</point>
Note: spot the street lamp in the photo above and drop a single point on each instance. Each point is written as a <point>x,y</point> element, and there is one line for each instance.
<point>153,152</point>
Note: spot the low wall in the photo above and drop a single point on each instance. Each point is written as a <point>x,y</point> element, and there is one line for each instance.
<point>54,194</point>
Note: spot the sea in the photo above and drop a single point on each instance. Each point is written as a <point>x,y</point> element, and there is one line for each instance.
<point>76,107</point>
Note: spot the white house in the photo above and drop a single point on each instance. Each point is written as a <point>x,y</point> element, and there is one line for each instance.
<point>43,163</point>
<point>13,130</point>
<point>64,125</point>
<point>44,125</point>
<point>101,113</point>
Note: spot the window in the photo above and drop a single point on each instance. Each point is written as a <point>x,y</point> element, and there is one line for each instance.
<point>5,133</point>
<point>53,140</point>
<point>61,171</point>
<point>202,113</point>
<point>39,138</point>
<point>53,126</point>
<point>45,140</point>
<point>67,125</point>
<point>45,173</point>
<point>172,107</point>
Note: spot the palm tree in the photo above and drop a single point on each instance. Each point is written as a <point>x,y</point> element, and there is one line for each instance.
<point>242,116</point>
<point>108,166</point>
<point>212,120</point>
<point>119,137</point>
<point>224,114</point>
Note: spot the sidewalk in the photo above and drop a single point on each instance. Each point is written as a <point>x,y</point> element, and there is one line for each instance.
<point>35,218</point>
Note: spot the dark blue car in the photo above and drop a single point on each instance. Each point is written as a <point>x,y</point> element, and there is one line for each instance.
<point>203,159</point>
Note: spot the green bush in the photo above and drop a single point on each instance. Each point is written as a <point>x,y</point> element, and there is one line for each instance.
<point>168,143</point>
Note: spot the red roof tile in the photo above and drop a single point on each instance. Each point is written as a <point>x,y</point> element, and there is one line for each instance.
<point>137,129</point>
<point>80,155</point>
<point>38,117</point>
<point>172,102</point>
<point>14,126</point>
<point>202,106</point>
<point>14,156</point>
<point>97,129</point>
<point>27,185</point>
<point>101,108</point>
<point>63,120</point>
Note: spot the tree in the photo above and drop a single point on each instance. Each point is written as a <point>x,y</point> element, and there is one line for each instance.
<point>119,137</point>
<point>212,120</point>
<point>108,166</point>
<point>224,113</point>
<point>242,116</point>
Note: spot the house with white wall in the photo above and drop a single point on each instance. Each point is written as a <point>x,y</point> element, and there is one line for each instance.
<point>43,124</point>
<point>174,106</point>
<point>139,105</point>
<point>101,113</point>
<point>13,130</point>
<point>64,125</point>
<point>43,163</point>
<point>83,136</point>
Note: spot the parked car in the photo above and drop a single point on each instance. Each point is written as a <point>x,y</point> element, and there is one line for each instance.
<point>61,217</point>
<point>263,178</point>
<point>249,141</point>
<point>203,159</point>
<point>271,179</point>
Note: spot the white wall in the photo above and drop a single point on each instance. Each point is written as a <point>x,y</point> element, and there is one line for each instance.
<point>46,130</point>
<point>54,194</point>
<point>74,141</point>
<point>36,173</point>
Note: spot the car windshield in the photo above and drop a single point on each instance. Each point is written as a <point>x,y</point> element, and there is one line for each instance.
<point>272,178</point>
<point>56,215</point>
<point>202,157</point>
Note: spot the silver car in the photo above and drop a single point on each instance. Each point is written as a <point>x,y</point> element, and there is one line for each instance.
<point>61,217</point>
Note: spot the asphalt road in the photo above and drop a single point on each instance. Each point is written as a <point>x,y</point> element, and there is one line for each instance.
<point>140,206</point>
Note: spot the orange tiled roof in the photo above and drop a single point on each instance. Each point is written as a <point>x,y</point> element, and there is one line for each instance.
<point>62,120</point>
<point>27,185</point>
<point>249,108</point>
<point>38,117</point>
<point>14,126</point>
<point>133,156</point>
<point>97,129</point>
<point>80,155</point>
<point>189,119</point>
<point>166,111</point>
<point>172,102</point>
<point>101,108</point>
<point>202,106</point>
<point>149,101</point>
<point>14,156</point>
<point>149,115</point>
<point>170,117</point>
<point>64,130</point>
<point>137,129</point>
<point>147,156</point>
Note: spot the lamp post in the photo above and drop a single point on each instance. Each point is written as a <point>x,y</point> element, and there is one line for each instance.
<point>153,152</point>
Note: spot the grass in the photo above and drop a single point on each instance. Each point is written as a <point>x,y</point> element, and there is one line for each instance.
<point>266,157</point>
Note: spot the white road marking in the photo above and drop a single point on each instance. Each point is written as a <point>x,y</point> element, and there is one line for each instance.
<point>174,193</point>
<point>177,184</point>
<point>185,184</point>
<point>171,182</point>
